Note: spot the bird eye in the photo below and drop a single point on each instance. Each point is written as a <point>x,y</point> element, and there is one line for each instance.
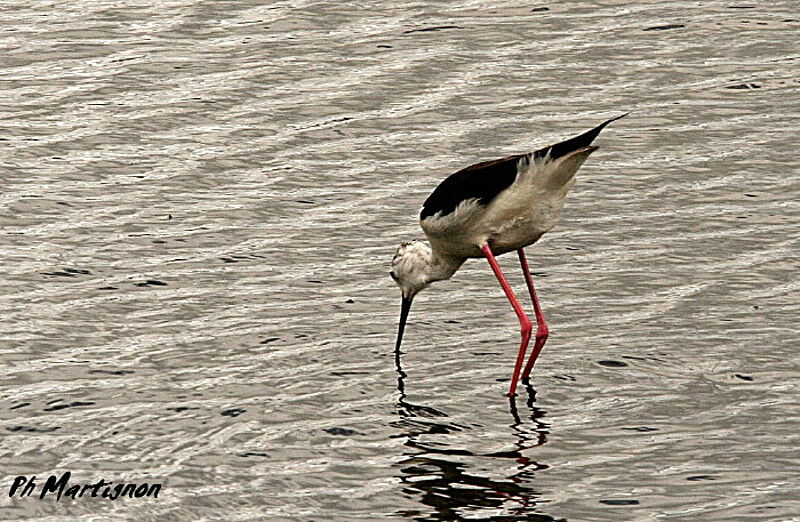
<point>394,276</point>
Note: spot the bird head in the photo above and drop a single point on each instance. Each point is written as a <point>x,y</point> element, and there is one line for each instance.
<point>410,270</point>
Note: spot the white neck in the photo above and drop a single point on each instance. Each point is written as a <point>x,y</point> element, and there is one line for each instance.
<point>416,265</point>
<point>441,266</point>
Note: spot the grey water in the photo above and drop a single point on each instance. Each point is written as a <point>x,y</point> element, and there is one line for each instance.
<point>199,201</point>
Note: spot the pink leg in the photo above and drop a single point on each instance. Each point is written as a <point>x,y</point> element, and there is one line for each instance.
<point>541,326</point>
<point>524,322</point>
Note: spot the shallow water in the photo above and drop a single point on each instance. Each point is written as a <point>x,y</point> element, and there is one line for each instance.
<point>199,201</point>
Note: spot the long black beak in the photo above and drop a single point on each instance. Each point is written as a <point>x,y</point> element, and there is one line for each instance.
<point>405,307</point>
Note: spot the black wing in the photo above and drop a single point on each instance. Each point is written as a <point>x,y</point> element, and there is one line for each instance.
<point>483,181</point>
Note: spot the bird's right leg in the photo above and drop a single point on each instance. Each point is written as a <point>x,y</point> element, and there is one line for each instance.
<point>524,322</point>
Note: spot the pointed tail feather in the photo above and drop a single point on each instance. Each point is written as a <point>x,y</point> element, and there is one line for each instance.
<point>563,170</point>
<point>571,145</point>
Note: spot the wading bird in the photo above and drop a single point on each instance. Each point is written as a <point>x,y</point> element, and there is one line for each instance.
<point>486,210</point>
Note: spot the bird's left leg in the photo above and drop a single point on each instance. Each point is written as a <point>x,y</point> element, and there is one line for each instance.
<point>524,322</point>
<point>541,326</point>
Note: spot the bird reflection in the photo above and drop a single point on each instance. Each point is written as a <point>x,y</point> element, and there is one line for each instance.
<point>434,475</point>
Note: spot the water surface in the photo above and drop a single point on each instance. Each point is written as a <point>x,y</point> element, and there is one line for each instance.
<point>199,201</point>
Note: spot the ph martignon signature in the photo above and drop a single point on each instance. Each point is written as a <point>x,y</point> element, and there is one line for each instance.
<point>61,487</point>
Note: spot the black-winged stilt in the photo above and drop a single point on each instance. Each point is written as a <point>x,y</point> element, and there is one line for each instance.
<point>488,209</point>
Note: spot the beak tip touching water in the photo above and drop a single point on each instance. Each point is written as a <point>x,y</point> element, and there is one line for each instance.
<point>405,307</point>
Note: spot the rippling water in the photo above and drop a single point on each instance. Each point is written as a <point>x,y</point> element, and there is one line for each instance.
<point>199,201</point>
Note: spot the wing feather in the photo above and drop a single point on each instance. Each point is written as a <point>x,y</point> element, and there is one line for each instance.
<point>482,181</point>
